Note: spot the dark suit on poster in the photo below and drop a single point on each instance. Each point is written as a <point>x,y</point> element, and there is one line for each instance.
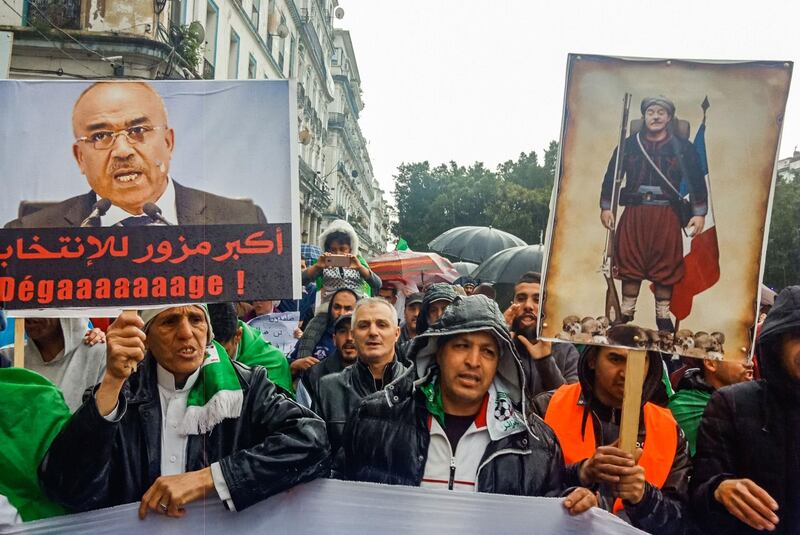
<point>194,207</point>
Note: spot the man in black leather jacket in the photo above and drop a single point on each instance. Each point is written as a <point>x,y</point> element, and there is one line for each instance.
<point>187,423</point>
<point>375,330</point>
<point>344,355</point>
<point>459,427</point>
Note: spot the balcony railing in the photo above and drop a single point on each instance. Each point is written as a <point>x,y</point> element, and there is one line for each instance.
<point>65,14</point>
<point>335,120</point>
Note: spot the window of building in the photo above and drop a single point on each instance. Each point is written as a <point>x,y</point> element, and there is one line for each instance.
<point>292,47</point>
<point>254,13</point>
<point>282,46</point>
<point>210,51</point>
<point>233,56</point>
<point>65,15</point>
<point>252,66</point>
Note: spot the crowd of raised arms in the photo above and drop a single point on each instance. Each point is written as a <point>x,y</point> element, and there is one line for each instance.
<point>441,388</point>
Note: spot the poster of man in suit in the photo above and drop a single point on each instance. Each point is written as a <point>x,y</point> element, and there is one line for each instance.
<point>182,158</point>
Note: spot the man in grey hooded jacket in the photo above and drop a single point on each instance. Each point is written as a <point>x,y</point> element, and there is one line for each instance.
<point>459,427</point>
<point>65,352</point>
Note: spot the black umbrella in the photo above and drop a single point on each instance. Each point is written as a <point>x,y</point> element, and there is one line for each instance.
<point>473,244</point>
<point>465,269</point>
<point>506,267</point>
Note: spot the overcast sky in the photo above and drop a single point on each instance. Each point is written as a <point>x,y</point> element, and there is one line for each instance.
<point>470,80</point>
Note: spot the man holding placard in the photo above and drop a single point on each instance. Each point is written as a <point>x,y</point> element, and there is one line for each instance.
<point>650,489</point>
<point>188,423</point>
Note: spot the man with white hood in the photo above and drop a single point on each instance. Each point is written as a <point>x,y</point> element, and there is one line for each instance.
<point>66,353</point>
<point>459,426</point>
<point>174,419</point>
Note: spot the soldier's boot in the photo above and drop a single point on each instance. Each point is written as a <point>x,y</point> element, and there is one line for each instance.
<point>665,324</point>
<point>622,320</point>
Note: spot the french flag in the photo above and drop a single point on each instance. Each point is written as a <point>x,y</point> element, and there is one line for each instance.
<point>701,253</point>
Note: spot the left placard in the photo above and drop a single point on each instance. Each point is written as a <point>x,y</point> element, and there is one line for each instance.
<point>127,194</point>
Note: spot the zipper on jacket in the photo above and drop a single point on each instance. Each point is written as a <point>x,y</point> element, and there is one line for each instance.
<point>452,473</point>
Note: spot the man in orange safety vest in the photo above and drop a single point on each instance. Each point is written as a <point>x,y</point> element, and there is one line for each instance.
<point>649,489</point>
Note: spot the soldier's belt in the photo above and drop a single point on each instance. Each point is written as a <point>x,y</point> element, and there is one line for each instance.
<point>646,198</point>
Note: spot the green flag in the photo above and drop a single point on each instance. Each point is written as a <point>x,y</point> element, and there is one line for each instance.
<point>32,413</point>
<point>402,245</point>
<point>254,350</point>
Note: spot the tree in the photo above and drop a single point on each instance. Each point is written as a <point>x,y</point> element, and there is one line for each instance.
<point>513,198</point>
<point>782,266</point>
<point>521,211</point>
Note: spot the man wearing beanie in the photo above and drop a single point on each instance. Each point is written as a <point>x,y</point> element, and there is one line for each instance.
<point>462,427</point>
<point>434,302</point>
<point>174,420</point>
<point>648,241</point>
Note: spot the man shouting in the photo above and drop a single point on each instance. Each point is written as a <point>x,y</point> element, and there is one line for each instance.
<point>189,422</point>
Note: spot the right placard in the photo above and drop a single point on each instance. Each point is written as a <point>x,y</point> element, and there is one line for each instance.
<point>663,190</point>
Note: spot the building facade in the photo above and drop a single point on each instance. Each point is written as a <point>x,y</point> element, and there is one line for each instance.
<point>356,195</point>
<point>787,166</point>
<point>223,39</point>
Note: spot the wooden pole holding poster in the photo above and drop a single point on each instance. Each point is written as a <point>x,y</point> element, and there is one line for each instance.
<point>19,342</point>
<point>632,400</point>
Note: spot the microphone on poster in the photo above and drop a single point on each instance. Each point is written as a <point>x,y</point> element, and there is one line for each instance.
<point>98,210</point>
<point>152,210</point>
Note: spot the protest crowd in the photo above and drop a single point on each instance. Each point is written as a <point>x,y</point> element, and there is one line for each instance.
<point>442,387</point>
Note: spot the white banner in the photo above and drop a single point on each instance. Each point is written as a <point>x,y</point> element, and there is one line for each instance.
<point>329,506</point>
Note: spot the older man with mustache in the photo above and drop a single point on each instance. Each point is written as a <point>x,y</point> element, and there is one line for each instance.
<point>657,164</point>
<point>175,419</point>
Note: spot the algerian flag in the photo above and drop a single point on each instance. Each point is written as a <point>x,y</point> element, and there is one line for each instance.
<point>402,245</point>
<point>32,413</point>
<point>215,395</point>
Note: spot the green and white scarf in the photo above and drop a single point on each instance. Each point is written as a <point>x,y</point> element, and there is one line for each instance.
<point>215,396</point>
<point>502,419</point>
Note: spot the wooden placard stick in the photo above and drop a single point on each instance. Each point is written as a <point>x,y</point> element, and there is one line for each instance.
<point>19,342</point>
<point>632,400</point>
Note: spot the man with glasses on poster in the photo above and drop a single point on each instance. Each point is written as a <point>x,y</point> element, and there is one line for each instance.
<point>123,145</point>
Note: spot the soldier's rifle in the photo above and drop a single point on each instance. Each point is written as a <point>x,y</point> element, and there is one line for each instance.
<point>613,308</point>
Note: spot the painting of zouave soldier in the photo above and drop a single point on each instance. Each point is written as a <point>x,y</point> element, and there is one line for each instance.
<point>660,166</point>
